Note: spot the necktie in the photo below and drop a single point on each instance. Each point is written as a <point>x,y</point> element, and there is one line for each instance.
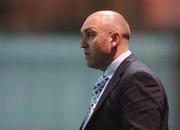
<point>95,97</point>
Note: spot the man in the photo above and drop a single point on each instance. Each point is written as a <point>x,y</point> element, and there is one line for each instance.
<point>130,96</point>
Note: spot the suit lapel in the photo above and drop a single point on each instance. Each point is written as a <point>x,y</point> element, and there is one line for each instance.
<point>114,80</point>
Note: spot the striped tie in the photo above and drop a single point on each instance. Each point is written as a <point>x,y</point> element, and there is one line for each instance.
<point>95,97</point>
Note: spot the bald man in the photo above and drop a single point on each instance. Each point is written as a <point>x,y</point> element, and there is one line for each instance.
<point>129,96</point>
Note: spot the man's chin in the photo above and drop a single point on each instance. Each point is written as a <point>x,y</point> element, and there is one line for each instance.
<point>93,66</point>
<point>90,65</point>
<point>96,66</point>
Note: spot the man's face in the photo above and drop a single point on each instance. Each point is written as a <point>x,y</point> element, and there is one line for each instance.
<point>96,43</point>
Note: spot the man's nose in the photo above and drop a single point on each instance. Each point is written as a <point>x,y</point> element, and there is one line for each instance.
<point>83,44</point>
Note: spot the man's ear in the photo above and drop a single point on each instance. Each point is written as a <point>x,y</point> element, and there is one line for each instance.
<point>115,39</point>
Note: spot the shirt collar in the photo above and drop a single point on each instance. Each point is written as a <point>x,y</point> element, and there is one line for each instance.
<point>114,65</point>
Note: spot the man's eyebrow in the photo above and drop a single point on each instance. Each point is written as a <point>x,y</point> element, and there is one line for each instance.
<point>88,29</point>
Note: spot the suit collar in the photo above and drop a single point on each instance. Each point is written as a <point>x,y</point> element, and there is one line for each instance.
<point>114,65</point>
<point>112,83</point>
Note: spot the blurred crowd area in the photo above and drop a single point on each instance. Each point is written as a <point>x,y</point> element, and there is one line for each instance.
<point>68,15</point>
<point>39,53</point>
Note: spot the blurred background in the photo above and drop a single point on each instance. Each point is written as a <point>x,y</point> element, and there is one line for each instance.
<point>44,81</point>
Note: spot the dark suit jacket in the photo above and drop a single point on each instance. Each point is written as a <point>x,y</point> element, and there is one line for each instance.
<point>134,99</point>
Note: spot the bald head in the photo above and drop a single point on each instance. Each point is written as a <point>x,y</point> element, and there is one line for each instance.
<point>108,21</point>
<point>105,37</point>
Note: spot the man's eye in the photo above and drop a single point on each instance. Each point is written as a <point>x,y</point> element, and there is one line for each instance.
<point>90,35</point>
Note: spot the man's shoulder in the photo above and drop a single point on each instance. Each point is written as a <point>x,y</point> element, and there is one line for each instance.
<point>138,67</point>
<point>131,66</point>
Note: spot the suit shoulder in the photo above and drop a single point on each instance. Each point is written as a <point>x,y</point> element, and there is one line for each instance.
<point>139,67</point>
<point>138,71</point>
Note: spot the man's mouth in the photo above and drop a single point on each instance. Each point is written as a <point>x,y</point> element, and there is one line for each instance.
<point>86,54</point>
